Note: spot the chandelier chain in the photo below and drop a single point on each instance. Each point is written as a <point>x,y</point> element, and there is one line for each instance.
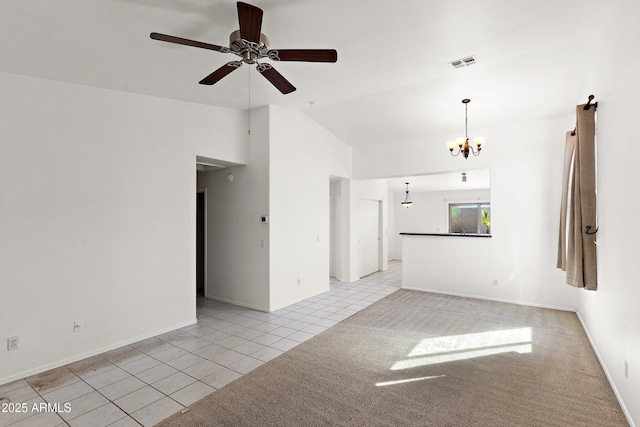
<point>466,133</point>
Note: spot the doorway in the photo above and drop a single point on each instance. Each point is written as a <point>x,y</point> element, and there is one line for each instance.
<point>339,238</point>
<point>201,248</point>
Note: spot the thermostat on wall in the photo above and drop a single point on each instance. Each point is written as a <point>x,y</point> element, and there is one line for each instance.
<point>264,219</point>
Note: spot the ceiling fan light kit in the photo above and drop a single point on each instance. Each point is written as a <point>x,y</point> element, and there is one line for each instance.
<point>251,46</point>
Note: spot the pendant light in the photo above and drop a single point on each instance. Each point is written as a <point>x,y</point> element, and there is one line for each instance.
<point>463,143</point>
<point>407,201</point>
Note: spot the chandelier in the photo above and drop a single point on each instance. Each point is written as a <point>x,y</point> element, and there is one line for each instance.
<point>463,143</point>
<point>407,201</point>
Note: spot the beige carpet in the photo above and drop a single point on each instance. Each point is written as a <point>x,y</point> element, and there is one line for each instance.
<point>420,359</point>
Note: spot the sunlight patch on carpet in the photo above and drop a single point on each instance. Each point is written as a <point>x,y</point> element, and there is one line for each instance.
<point>460,347</point>
<point>408,380</point>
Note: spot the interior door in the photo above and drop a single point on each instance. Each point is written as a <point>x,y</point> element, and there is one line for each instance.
<point>369,236</point>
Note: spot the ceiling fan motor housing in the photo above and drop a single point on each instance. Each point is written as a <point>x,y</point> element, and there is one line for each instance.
<point>249,51</point>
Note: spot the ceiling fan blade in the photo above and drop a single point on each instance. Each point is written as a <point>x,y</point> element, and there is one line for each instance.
<point>250,19</point>
<point>221,72</point>
<point>187,42</point>
<point>306,55</point>
<point>276,78</point>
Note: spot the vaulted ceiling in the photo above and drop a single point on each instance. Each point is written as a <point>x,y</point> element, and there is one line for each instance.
<point>392,80</point>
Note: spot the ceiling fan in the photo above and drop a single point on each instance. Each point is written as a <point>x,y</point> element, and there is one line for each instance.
<point>251,45</point>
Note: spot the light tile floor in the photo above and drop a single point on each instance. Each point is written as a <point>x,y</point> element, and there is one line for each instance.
<point>150,380</point>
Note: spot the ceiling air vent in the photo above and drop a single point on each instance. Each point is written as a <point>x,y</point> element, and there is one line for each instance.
<point>462,62</point>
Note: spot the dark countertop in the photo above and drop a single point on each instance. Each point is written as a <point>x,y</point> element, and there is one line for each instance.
<point>446,234</point>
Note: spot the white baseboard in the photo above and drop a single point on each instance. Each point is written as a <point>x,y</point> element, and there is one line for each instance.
<point>63,362</point>
<point>311,295</point>
<point>265,309</point>
<point>606,372</point>
<point>529,304</point>
<point>238,303</point>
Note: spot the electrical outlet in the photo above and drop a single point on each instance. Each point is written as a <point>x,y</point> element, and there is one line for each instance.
<point>495,282</point>
<point>298,282</point>
<point>12,343</point>
<point>77,325</point>
<point>626,370</point>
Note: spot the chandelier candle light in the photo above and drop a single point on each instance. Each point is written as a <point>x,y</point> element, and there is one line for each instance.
<point>407,201</point>
<point>463,143</point>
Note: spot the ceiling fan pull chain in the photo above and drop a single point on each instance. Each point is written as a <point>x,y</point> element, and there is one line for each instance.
<point>249,80</point>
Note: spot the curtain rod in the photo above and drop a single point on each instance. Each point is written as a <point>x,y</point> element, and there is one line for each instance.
<point>588,105</point>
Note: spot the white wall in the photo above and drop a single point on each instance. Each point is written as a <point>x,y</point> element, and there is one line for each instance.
<point>302,156</point>
<point>267,266</point>
<point>525,200</point>
<point>429,212</point>
<point>97,200</point>
<point>237,240</point>
<point>455,265</point>
<point>610,314</point>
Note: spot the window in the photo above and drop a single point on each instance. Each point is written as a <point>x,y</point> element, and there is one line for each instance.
<point>470,218</point>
